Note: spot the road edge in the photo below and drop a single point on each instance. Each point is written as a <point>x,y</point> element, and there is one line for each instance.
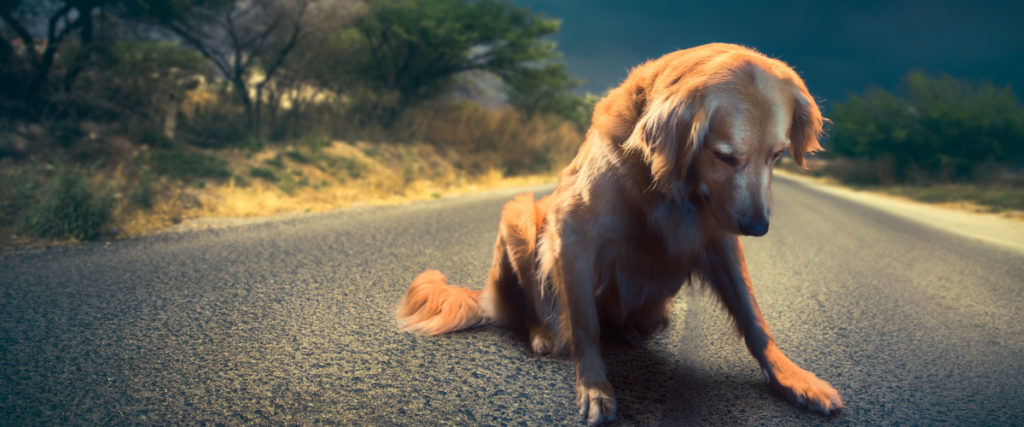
<point>990,228</point>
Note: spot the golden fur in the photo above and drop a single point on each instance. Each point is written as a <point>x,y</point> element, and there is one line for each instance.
<point>676,165</point>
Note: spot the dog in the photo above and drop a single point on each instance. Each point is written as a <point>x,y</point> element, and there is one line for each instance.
<point>676,165</point>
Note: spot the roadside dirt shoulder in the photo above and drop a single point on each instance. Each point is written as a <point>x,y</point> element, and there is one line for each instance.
<point>993,228</point>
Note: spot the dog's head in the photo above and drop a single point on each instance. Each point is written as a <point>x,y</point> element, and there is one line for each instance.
<point>720,133</point>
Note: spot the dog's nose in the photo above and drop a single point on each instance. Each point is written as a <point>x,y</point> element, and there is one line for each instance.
<point>757,227</point>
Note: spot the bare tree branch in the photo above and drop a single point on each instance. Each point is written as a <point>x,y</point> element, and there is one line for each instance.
<point>23,34</point>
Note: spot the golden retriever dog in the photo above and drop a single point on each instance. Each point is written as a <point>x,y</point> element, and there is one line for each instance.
<point>675,167</point>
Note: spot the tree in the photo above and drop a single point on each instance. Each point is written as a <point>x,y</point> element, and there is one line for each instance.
<point>545,90</point>
<point>147,80</point>
<point>64,20</point>
<point>409,51</point>
<point>246,40</point>
<point>939,127</point>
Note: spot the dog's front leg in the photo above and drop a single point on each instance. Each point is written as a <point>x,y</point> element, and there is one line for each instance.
<point>574,277</point>
<point>725,269</point>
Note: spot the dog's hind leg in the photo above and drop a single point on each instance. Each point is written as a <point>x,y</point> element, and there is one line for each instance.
<point>511,289</point>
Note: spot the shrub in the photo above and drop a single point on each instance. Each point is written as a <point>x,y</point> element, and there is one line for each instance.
<point>263,173</point>
<point>219,124</point>
<point>142,195</point>
<point>503,139</point>
<point>65,133</point>
<point>287,185</point>
<point>352,166</point>
<point>188,165</point>
<point>938,129</point>
<point>315,144</point>
<point>7,147</point>
<point>17,193</point>
<point>276,162</point>
<point>68,206</point>
<point>296,156</point>
<point>151,137</point>
<point>333,164</point>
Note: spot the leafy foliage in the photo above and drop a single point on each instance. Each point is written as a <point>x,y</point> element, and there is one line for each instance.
<point>17,192</point>
<point>263,173</point>
<point>283,65</point>
<point>189,165</point>
<point>937,129</point>
<point>408,51</point>
<point>512,141</point>
<point>65,22</point>
<point>142,87</point>
<point>68,206</point>
<point>145,80</point>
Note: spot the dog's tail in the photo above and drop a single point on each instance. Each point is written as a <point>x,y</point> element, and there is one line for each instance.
<point>432,307</point>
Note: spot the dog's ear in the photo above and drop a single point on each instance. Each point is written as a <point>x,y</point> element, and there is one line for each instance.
<point>806,127</point>
<point>667,135</point>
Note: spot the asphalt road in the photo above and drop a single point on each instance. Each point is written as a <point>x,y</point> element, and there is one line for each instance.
<point>289,322</point>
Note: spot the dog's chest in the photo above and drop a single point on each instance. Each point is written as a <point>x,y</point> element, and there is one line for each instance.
<point>643,268</point>
<point>655,256</point>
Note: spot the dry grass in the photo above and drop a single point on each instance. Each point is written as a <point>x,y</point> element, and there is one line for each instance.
<point>1006,201</point>
<point>316,180</point>
<point>464,149</point>
<point>502,139</point>
<point>155,184</point>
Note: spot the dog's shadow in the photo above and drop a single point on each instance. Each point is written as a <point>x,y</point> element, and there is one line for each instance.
<point>654,387</point>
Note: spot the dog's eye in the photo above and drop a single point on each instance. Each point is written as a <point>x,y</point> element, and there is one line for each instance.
<point>727,158</point>
<point>776,156</point>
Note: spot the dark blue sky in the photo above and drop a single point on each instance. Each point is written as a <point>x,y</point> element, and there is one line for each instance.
<point>837,47</point>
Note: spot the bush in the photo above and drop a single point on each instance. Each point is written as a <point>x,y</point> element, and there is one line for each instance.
<point>68,206</point>
<point>263,173</point>
<point>151,137</point>
<point>187,165</point>
<point>17,193</point>
<point>140,82</point>
<point>352,166</point>
<point>142,195</point>
<point>938,129</point>
<point>296,156</point>
<point>276,162</point>
<point>220,124</point>
<point>505,139</point>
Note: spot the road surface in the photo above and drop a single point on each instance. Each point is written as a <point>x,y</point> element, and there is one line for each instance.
<point>289,322</point>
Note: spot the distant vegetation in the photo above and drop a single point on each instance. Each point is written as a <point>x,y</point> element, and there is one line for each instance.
<point>112,110</point>
<point>109,106</point>
<point>936,130</point>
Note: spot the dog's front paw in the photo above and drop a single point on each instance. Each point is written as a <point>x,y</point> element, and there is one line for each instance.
<point>806,390</point>
<point>596,402</point>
